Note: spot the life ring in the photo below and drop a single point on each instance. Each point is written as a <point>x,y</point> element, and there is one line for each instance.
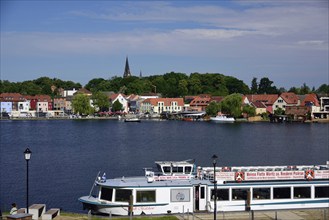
<point>239,176</point>
<point>309,174</point>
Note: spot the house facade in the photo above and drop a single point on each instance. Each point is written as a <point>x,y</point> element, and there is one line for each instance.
<point>161,105</point>
<point>267,99</point>
<point>13,98</point>
<point>23,106</point>
<point>199,103</point>
<point>6,107</point>
<point>286,99</point>
<point>122,99</point>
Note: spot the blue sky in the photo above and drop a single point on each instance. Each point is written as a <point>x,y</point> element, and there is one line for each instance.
<point>286,41</point>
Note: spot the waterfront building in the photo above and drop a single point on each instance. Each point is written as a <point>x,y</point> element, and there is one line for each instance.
<point>24,106</point>
<point>13,98</point>
<point>286,99</point>
<point>41,103</point>
<point>6,107</point>
<point>122,99</point>
<point>267,99</point>
<point>68,93</point>
<point>162,105</point>
<point>59,104</point>
<point>260,107</point>
<point>199,103</point>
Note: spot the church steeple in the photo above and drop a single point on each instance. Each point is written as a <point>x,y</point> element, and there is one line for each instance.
<point>127,70</point>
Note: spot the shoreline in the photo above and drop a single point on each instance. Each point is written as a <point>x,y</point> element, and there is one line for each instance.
<point>307,214</point>
<point>156,119</point>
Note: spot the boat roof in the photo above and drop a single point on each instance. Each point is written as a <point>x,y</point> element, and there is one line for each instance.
<point>176,163</point>
<point>126,182</point>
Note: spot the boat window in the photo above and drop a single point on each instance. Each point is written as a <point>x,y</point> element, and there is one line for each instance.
<point>281,193</point>
<point>180,195</point>
<point>222,194</point>
<point>106,194</point>
<point>321,191</point>
<point>122,195</point>
<point>177,169</point>
<point>239,194</point>
<point>166,169</point>
<point>261,193</point>
<point>302,192</point>
<point>145,196</point>
<point>188,170</point>
<point>202,193</point>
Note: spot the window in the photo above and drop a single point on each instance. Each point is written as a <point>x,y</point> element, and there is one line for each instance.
<point>281,193</point>
<point>222,194</point>
<point>180,195</point>
<point>261,193</point>
<point>202,193</point>
<point>188,170</point>
<point>321,191</point>
<point>122,195</point>
<point>239,194</point>
<point>177,169</point>
<point>166,169</point>
<point>145,196</point>
<point>302,192</point>
<point>106,194</point>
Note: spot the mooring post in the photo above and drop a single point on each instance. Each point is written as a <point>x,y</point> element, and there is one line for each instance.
<point>89,214</point>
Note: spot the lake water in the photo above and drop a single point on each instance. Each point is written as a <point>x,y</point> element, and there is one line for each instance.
<point>67,154</point>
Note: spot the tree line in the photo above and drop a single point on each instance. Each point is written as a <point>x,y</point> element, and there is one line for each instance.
<point>169,85</point>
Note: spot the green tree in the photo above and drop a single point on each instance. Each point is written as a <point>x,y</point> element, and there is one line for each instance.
<point>117,106</point>
<point>234,85</point>
<point>81,104</point>
<point>304,89</point>
<point>294,90</point>
<point>265,87</point>
<point>323,89</point>
<point>231,105</point>
<point>254,86</point>
<point>100,101</point>
<point>249,110</point>
<point>213,108</point>
<point>194,85</point>
<point>93,85</point>
<point>182,87</point>
<point>279,111</point>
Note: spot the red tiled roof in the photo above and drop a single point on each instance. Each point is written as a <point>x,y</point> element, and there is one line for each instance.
<point>258,104</point>
<point>166,101</point>
<point>200,101</point>
<point>289,98</point>
<point>12,97</point>
<point>310,98</point>
<point>267,99</point>
<point>84,91</point>
<point>217,98</point>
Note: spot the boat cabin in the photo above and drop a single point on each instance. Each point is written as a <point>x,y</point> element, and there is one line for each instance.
<point>173,168</point>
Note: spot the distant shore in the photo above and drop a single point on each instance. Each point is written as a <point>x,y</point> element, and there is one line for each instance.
<point>242,120</point>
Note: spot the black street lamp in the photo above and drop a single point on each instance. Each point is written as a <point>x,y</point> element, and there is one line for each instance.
<point>27,155</point>
<point>214,161</point>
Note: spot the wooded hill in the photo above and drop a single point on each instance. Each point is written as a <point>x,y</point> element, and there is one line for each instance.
<point>169,85</point>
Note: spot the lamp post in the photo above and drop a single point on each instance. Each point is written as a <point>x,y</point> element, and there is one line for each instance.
<point>214,161</point>
<point>27,155</point>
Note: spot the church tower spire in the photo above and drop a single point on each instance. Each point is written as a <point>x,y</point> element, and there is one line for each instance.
<point>127,70</point>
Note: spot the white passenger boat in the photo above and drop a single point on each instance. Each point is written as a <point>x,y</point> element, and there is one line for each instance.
<point>222,118</point>
<point>179,187</point>
<point>132,120</point>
